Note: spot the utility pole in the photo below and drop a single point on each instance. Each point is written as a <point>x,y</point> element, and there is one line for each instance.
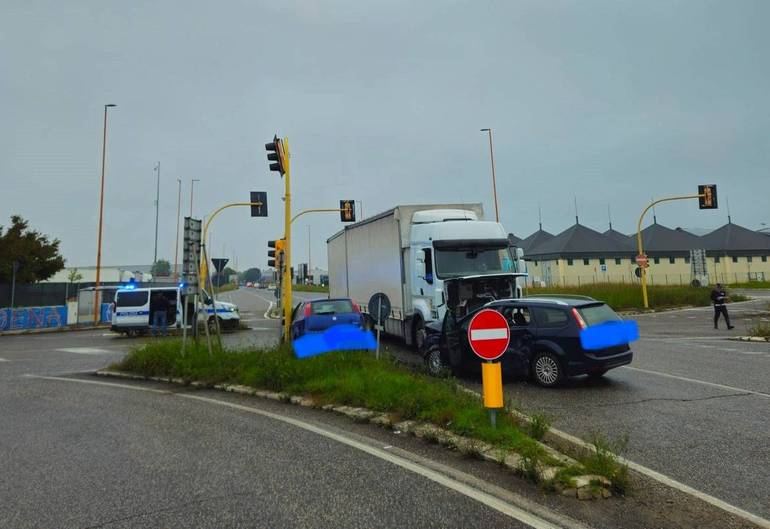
<point>157,212</point>
<point>494,181</point>
<point>101,219</point>
<point>176,246</point>
<point>309,268</point>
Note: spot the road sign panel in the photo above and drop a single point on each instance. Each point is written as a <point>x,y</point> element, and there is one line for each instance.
<point>379,307</point>
<point>347,210</point>
<point>258,204</point>
<point>707,198</point>
<point>488,334</point>
<point>219,263</point>
<point>642,260</point>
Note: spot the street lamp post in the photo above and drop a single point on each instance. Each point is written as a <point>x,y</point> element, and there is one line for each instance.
<point>192,183</point>
<point>101,218</point>
<point>494,181</point>
<point>157,211</point>
<point>176,245</point>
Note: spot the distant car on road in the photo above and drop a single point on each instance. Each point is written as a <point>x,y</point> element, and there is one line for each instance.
<point>318,315</point>
<point>545,340</point>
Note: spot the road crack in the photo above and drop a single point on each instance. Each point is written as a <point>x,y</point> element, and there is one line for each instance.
<point>651,399</point>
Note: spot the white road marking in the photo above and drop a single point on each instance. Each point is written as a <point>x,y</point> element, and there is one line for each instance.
<point>489,334</point>
<point>269,307</point>
<point>84,350</point>
<point>458,486</point>
<point>696,381</point>
<point>4,360</point>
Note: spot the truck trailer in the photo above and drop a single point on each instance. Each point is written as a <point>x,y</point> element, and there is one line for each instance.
<point>427,259</point>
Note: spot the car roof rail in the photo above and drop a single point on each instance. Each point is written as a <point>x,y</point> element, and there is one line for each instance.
<point>565,296</point>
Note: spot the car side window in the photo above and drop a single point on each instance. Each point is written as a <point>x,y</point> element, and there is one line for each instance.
<point>550,317</point>
<point>518,316</point>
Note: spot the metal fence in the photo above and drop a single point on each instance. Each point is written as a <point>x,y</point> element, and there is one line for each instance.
<point>652,279</point>
<point>52,294</point>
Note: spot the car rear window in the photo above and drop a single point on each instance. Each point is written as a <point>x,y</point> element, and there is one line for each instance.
<point>596,314</point>
<point>333,306</point>
<point>131,299</point>
<point>547,317</point>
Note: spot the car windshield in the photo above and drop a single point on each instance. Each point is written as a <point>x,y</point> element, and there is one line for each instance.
<point>595,314</point>
<point>332,306</point>
<point>476,261</point>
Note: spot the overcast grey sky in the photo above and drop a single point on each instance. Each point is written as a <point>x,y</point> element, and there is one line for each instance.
<point>612,102</point>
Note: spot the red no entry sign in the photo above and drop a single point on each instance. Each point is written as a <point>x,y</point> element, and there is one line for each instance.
<point>642,261</point>
<point>488,334</point>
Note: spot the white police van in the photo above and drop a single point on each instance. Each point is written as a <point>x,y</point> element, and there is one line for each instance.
<point>132,309</point>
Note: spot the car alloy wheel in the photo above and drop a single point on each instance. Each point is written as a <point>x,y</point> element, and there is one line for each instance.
<point>547,370</point>
<point>434,363</point>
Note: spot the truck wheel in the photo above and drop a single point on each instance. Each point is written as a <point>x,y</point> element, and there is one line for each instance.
<point>547,370</point>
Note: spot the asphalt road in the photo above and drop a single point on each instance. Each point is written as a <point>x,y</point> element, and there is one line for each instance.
<point>695,408</point>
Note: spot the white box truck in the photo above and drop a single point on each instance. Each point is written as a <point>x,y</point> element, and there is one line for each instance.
<point>427,259</point>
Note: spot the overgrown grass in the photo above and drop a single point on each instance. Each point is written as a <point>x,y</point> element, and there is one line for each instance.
<point>749,284</point>
<point>629,296</point>
<point>759,328</point>
<point>226,288</point>
<point>347,378</point>
<point>310,288</point>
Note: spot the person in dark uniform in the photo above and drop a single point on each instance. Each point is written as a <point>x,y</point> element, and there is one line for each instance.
<point>718,297</point>
<point>159,308</point>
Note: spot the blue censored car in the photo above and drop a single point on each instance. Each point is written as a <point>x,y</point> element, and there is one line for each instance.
<point>318,315</point>
<point>552,338</point>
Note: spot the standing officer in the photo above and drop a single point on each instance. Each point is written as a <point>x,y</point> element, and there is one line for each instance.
<point>718,297</point>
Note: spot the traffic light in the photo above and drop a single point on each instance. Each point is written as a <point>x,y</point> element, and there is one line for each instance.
<point>275,155</point>
<point>275,253</point>
<point>348,210</point>
<point>708,196</point>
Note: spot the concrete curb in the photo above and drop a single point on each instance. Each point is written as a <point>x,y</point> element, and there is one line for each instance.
<point>53,330</point>
<point>583,487</point>
<point>750,338</point>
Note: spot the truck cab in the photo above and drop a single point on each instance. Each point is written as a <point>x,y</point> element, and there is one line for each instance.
<point>459,261</point>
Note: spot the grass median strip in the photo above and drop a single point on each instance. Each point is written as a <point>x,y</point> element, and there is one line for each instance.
<point>358,379</point>
<point>621,296</point>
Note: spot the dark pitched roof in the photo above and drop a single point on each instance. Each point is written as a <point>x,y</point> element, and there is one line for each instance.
<point>659,238</point>
<point>734,238</point>
<point>535,239</point>
<point>622,238</point>
<point>579,240</point>
<point>513,240</point>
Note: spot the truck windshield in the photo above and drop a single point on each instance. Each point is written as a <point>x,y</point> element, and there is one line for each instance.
<point>459,262</point>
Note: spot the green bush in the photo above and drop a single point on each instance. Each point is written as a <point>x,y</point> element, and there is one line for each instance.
<point>310,288</point>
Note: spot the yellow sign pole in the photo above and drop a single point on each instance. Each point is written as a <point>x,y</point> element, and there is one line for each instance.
<point>639,240</point>
<point>295,217</point>
<point>287,298</point>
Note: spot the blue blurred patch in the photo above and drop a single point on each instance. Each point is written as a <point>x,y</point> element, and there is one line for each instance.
<point>335,338</point>
<point>609,334</point>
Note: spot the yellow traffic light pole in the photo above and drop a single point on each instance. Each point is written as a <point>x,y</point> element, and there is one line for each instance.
<point>286,287</point>
<point>639,239</point>
<point>331,210</point>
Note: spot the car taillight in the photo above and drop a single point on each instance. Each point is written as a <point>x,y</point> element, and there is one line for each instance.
<point>578,318</point>
<point>356,308</point>
<point>307,310</point>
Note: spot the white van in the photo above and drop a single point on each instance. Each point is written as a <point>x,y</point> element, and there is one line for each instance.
<point>132,308</point>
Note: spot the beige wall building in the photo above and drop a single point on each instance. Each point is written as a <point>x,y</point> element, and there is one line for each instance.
<point>580,255</point>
